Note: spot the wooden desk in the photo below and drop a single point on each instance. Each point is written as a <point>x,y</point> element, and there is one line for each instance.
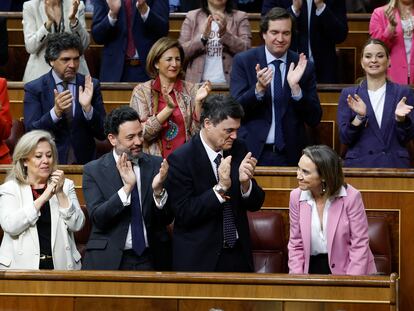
<point>388,192</point>
<point>119,290</point>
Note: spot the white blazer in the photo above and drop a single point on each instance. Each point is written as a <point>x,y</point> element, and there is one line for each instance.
<point>20,246</point>
<point>35,35</point>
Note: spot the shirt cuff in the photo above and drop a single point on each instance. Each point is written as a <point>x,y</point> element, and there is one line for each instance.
<point>159,203</point>
<point>294,12</point>
<point>320,11</point>
<point>297,97</point>
<point>88,115</point>
<point>247,194</point>
<point>219,197</point>
<point>259,95</point>
<point>125,199</point>
<point>112,21</point>
<point>55,118</point>
<point>145,16</point>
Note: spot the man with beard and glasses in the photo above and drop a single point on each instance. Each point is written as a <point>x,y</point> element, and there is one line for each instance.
<point>211,187</point>
<point>126,201</point>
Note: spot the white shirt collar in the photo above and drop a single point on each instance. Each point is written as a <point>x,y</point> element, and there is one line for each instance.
<point>116,156</point>
<point>307,195</point>
<point>270,57</point>
<point>212,155</point>
<point>59,80</point>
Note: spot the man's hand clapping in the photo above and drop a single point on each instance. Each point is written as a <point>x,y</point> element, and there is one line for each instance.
<point>246,171</point>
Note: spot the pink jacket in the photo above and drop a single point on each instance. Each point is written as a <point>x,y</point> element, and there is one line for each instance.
<point>236,39</point>
<point>347,234</point>
<point>398,72</point>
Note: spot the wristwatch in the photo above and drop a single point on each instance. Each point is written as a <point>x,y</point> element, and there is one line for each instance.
<point>161,194</point>
<point>219,189</point>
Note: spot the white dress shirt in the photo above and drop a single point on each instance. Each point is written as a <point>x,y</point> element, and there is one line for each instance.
<point>72,88</point>
<point>318,231</point>
<point>269,59</point>
<point>126,200</point>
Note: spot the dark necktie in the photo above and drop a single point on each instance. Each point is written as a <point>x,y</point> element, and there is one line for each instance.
<point>277,104</point>
<point>130,39</point>
<point>229,225</point>
<point>137,225</point>
<point>68,113</point>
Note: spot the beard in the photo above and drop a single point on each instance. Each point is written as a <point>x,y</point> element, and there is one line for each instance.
<point>134,158</point>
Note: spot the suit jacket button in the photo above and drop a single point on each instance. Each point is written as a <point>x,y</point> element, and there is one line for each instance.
<point>20,252</point>
<point>333,265</point>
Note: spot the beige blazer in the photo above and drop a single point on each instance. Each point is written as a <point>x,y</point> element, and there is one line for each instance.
<point>35,35</point>
<point>20,246</point>
<point>236,39</point>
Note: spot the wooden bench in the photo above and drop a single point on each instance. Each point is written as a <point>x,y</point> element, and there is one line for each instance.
<point>348,51</point>
<point>156,291</point>
<point>117,94</point>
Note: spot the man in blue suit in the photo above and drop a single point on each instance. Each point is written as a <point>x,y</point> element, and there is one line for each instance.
<point>277,89</point>
<point>321,24</point>
<point>128,29</point>
<point>65,103</point>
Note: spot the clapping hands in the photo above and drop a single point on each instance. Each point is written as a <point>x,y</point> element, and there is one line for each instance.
<point>402,110</point>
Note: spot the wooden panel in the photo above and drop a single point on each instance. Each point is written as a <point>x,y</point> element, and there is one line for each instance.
<point>36,303</point>
<point>221,305</point>
<point>347,64</point>
<point>121,286</point>
<point>323,133</point>
<point>124,304</point>
<point>385,192</point>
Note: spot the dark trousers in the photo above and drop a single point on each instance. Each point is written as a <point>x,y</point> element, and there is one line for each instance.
<point>272,157</point>
<point>46,264</point>
<point>131,261</point>
<point>319,264</point>
<point>233,260</point>
<point>134,73</point>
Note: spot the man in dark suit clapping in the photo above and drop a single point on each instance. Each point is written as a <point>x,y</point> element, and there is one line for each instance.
<point>211,186</point>
<point>126,201</point>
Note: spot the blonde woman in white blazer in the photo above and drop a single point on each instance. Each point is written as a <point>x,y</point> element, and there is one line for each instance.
<point>41,18</point>
<point>39,210</point>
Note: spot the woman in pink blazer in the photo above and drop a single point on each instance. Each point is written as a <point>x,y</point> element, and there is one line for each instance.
<point>328,224</point>
<point>394,24</point>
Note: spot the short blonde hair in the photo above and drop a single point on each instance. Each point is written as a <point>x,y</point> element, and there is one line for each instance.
<point>160,47</point>
<point>24,147</point>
